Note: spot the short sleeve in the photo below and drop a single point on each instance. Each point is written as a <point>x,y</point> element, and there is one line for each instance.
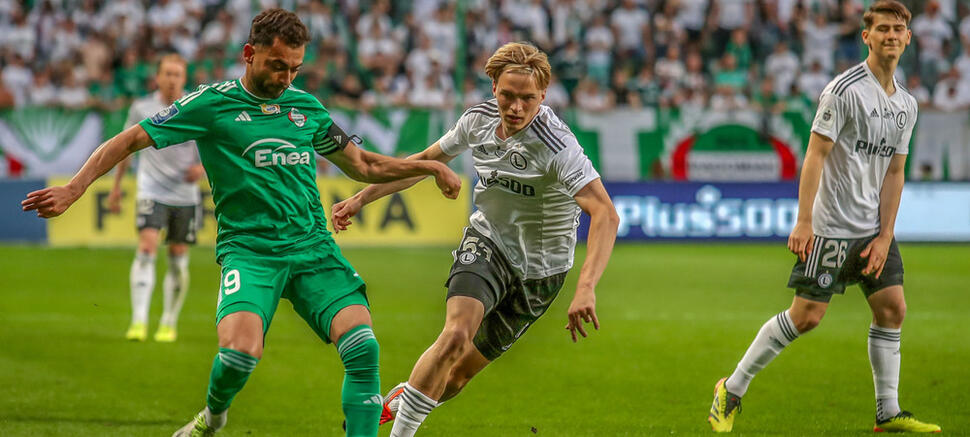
<point>830,117</point>
<point>189,118</point>
<point>909,123</point>
<point>572,168</point>
<point>455,141</point>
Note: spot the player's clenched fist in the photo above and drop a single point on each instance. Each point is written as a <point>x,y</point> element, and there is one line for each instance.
<point>343,211</point>
<point>448,182</point>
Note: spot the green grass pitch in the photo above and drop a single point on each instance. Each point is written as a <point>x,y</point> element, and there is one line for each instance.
<point>675,318</point>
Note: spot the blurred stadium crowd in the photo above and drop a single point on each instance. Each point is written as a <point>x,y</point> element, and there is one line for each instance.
<point>723,54</point>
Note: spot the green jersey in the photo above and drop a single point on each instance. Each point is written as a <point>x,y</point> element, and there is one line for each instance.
<point>258,156</point>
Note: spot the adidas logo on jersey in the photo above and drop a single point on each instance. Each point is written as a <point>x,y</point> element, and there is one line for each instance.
<point>874,113</point>
<point>243,116</point>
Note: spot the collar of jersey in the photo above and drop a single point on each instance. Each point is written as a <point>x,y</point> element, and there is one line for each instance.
<point>872,76</point>
<point>255,97</point>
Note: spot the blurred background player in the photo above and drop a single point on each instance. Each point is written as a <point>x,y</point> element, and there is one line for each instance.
<point>256,135</point>
<point>513,259</point>
<point>848,197</point>
<point>168,198</point>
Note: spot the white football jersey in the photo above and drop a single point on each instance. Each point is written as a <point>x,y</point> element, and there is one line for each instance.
<point>868,128</point>
<point>524,195</point>
<point>161,172</point>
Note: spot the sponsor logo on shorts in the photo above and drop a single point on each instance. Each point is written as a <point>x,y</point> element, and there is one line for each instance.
<point>467,258</point>
<point>824,280</point>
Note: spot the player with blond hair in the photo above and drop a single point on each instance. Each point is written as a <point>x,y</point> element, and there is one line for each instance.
<point>534,180</point>
<point>848,197</point>
<point>168,198</point>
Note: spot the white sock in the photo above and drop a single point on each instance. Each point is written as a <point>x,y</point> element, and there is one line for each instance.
<point>142,279</point>
<point>415,407</point>
<point>884,357</point>
<point>216,421</point>
<point>175,287</point>
<point>774,335</point>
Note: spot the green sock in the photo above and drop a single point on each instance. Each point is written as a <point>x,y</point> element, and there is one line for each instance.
<point>230,370</point>
<point>361,398</point>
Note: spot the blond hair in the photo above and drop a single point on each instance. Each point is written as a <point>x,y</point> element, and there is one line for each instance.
<point>888,7</point>
<point>520,57</point>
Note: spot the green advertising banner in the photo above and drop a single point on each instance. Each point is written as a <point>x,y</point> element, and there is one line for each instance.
<point>624,144</point>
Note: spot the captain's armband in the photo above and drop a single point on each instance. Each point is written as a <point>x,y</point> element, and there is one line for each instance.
<point>335,139</point>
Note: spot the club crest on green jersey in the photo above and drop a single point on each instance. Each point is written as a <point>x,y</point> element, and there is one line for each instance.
<point>164,115</point>
<point>296,117</point>
<point>269,109</point>
<point>270,152</point>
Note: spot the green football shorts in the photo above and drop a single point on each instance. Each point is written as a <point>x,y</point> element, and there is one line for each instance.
<point>835,263</point>
<point>318,282</point>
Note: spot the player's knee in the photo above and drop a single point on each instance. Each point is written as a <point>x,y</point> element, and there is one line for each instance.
<point>244,344</point>
<point>452,343</point>
<point>147,244</point>
<point>359,351</point>
<point>807,321</point>
<point>890,316</point>
<point>177,250</point>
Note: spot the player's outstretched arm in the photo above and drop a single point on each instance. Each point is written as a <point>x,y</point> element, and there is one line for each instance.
<point>892,190</point>
<point>364,166</point>
<point>53,201</point>
<point>801,239</point>
<point>343,211</point>
<point>593,200</point>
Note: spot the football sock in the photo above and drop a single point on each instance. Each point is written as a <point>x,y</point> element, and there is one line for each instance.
<point>361,398</point>
<point>774,335</point>
<point>884,357</point>
<point>175,287</point>
<point>142,279</point>
<point>216,421</point>
<point>230,370</point>
<point>415,407</point>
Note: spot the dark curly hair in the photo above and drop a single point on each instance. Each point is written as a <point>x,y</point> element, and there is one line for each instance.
<point>278,23</point>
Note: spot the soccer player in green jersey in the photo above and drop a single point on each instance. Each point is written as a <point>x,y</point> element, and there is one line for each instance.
<point>256,137</point>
